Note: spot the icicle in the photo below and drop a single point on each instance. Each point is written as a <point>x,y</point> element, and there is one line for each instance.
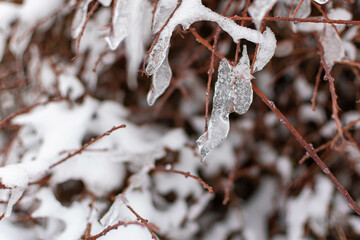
<point>160,81</point>
<point>258,10</point>
<point>266,50</point>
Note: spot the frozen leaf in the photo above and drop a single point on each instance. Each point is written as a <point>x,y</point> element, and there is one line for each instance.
<point>160,82</point>
<point>266,50</point>
<point>191,11</point>
<point>80,18</point>
<point>158,54</point>
<point>119,23</point>
<point>321,1</point>
<point>233,93</point>
<point>332,46</point>
<point>258,9</point>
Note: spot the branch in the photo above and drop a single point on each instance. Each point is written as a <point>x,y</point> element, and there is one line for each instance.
<point>186,174</point>
<point>79,151</point>
<point>309,149</point>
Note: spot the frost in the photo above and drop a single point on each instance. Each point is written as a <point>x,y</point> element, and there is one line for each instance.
<point>266,50</point>
<point>259,8</point>
<point>233,93</point>
<point>332,46</point>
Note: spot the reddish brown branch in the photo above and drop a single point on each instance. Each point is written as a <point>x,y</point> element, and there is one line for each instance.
<point>89,14</point>
<point>113,227</point>
<point>79,151</point>
<point>317,82</point>
<point>186,174</point>
<point>290,19</point>
<point>297,8</point>
<point>144,222</point>
<point>309,149</point>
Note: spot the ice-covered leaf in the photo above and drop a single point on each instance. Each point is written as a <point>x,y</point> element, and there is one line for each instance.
<point>119,23</point>
<point>191,11</point>
<point>158,54</point>
<point>266,50</point>
<point>233,93</point>
<point>258,9</point>
<point>332,45</point>
<point>80,18</point>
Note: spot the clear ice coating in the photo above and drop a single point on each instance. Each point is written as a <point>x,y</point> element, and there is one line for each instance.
<point>119,21</point>
<point>160,81</point>
<point>266,50</point>
<point>233,93</point>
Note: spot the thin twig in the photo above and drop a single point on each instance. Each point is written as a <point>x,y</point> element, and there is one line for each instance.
<point>79,151</point>
<point>89,14</point>
<point>145,222</point>
<point>291,19</point>
<point>317,82</point>
<point>186,174</point>
<point>309,149</point>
